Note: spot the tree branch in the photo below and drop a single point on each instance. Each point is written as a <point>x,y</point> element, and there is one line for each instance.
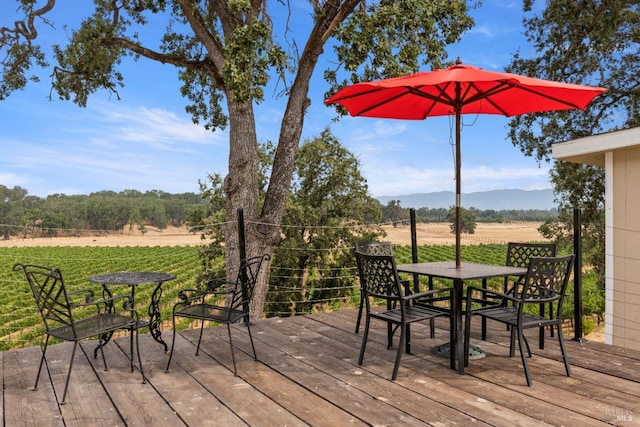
<point>157,56</point>
<point>25,28</point>
<point>343,11</point>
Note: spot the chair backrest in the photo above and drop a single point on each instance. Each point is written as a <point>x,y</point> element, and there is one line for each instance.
<point>519,254</point>
<point>50,293</point>
<point>378,275</point>
<point>246,282</point>
<point>375,248</point>
<point>547,278</point>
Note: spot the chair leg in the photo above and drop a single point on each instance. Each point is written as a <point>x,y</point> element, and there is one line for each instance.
<point>364,340</point>
<point>523,357</point>
<point>399,352</point>
<point>233,357</point>
<point>526,343</point>
<point>144,379</point>
<point>255,356</point>
<point>467,337</point>
<point>359,313</point>
<point>44,351</point>
<point>541,330</point>
<point>104,360</point>
<point>66,384</point>
<point>131,348</point>
<point>563,350</point>
<point>200,337</point>
<point>512,341</point>
<point>173,343</point>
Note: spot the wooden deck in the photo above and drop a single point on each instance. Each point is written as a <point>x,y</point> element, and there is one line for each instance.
<point>307,374</point>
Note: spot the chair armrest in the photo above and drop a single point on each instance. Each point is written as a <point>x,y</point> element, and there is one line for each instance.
<point>104,303</point>
<point>425,294</point>
<point>190,295</point>
<point>541,300</point>
<point>488,294</point>
<point>214,284</point>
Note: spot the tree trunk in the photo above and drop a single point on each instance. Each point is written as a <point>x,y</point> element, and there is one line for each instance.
<point>263,233</point>
<point>242,192</point>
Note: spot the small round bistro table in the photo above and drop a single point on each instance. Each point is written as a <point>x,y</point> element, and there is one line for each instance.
<point>134,279</point>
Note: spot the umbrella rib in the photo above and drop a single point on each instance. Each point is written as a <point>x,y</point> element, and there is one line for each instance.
<point>376,105</point>
<point>553,98</point>
<point>503,86</point>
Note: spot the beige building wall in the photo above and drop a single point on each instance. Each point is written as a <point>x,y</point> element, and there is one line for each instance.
<point>619,154</point>
<point>625,290</point>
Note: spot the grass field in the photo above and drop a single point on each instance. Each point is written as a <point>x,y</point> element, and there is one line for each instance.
<point>20,323</point>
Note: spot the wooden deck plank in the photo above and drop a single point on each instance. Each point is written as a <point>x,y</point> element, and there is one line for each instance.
<point>432,399</point>
<point>464,393</point>
<point>307,374</point>
<point>187,396</point>
<point>370,385</point>
<point>139,404</point>
<point>236,393</point>
<point>23,406</point>
<point>91,404</point>
<point>345,402</point>
<point>290,395</point>
<point>504,379</point>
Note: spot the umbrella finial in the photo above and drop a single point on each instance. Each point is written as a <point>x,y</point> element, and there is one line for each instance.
<point>458,61</point>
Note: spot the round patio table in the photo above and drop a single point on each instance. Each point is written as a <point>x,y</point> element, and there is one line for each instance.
<point>134,279</point>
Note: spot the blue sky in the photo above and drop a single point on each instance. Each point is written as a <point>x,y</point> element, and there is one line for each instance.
<point>146,141</point>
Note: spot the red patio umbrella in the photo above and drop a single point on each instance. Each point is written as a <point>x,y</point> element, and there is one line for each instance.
<point>460,89</point>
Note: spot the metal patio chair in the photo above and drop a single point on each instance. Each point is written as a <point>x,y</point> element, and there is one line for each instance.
<point>545,282</point>
<point>379,280</point>
<point>221,302</point>
<point>375,248</point>
<point>519,255</point>
<point>75,316</point>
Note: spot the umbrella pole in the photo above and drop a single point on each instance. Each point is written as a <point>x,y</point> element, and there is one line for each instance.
<point>458,186</point>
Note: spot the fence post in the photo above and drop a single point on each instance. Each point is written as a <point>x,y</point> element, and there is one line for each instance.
<point>577,274</point>
<point>414,247</point>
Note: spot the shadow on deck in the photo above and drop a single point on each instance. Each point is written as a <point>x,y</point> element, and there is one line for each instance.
<point>307,374</point>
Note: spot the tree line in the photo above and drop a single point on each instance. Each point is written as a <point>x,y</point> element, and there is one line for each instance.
<point>60,214</point>
<point>25,215</point>
<point>395,214</point>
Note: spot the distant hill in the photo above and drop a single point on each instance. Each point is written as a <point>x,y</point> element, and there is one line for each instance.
<point>483,200</point>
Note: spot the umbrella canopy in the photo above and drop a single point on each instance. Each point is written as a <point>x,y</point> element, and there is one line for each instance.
<point>457,90</point>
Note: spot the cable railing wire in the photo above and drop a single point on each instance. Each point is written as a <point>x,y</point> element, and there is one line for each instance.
<point>13,312</point>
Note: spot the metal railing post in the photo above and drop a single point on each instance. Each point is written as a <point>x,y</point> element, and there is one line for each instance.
<point>577,274</point>
<point>242,244</point>
<point>414,247</point>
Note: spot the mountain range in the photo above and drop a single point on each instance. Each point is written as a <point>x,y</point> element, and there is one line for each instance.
<point>483,200</point>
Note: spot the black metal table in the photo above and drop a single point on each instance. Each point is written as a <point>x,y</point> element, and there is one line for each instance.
<point>134,279</point>
<point>466,271</point>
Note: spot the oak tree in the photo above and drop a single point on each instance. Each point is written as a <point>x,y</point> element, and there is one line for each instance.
<point>226,51</point>
<point>591,42</point>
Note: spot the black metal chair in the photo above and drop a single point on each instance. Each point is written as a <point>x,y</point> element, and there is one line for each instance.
<point>519,255</point>
<point>221,301</point>
<point>75,316</point>
<point>379,280</point>
<point>375,248</point>
<point>546,281</point>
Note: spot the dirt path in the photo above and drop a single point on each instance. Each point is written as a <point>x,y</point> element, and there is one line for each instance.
<point>440,233</point>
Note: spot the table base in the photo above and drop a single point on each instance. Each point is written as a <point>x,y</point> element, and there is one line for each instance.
<point>444,350</point>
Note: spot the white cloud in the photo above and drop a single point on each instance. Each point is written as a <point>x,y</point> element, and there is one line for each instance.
<point>158,128</point>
